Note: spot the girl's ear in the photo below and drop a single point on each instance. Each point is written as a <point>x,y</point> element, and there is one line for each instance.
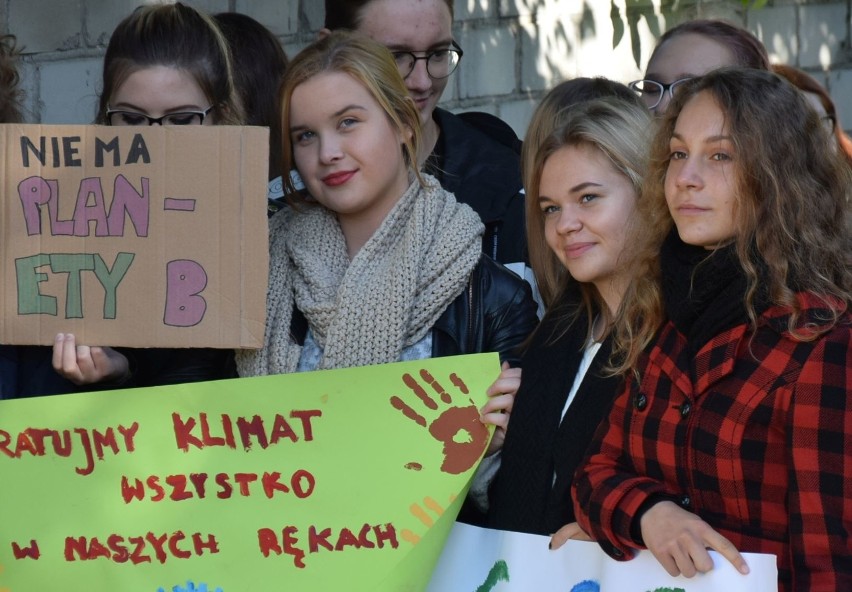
<point>408,133</point>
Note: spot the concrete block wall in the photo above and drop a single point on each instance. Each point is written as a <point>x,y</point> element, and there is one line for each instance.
<point>515,50</point>
<point>814,36</point>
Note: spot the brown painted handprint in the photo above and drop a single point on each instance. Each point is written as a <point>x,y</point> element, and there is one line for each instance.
<point>458,428</point>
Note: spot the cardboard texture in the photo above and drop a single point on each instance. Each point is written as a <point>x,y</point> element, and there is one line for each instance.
<point>139,237</point>
<point>335,480</point>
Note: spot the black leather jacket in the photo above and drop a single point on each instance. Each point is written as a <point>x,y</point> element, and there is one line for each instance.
<point>495,313</point>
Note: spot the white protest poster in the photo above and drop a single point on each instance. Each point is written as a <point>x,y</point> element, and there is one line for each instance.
<point>482,560</point>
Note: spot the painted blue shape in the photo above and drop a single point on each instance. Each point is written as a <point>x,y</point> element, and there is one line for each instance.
<point>586,586</point>
<point>191,587</point>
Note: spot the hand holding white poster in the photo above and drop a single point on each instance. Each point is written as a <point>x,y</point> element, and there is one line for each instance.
<point>482,560</point>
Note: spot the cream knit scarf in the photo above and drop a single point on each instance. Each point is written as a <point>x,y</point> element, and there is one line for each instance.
<point>367,310</point>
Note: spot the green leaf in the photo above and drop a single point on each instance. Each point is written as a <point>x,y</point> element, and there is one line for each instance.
<point>635,40</point>
<point>617,24</point>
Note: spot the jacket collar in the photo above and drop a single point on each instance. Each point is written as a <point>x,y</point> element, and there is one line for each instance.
<point>716,359</point>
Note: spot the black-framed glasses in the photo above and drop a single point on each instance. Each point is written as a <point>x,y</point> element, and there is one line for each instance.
<point>652,92</point>
<point>124,117</point>
<point>440,63</point>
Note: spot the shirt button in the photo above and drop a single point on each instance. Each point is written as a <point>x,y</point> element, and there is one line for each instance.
<point>685,409</point>
<point>685,501</point>
<point>641,401</point>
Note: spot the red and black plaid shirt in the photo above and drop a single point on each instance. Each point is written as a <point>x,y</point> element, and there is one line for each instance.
<point>753,434</point>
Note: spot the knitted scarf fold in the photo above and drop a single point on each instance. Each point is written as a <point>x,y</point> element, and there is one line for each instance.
<point>367,310</point>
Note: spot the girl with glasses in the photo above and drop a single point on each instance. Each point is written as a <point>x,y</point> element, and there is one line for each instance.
<point>473,156</point>
<point>168,64</point>
<point>734,430</point>
<point>375,262</point>
<point>164,65</point>
<point>692,49</point>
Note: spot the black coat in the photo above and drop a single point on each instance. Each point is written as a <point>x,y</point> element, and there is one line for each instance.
<point>523,496</point>
<point>485,174</point>
<point>27,370</point>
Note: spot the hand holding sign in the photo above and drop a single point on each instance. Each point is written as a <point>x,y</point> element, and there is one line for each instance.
<point>463,436</point>
<point>82,364</point>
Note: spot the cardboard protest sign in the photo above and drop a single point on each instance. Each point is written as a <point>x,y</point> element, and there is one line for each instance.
<point>341,479</point>
<point>152,236</point>
<point>483,560</point>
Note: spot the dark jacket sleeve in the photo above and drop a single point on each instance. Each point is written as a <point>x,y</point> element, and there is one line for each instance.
<point>163,366</point>
<point>28,372</point>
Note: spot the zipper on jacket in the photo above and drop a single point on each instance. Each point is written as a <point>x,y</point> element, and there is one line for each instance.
<point>470,313</point>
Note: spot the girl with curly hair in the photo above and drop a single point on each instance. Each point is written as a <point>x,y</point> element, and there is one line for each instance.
<point>733,431</point>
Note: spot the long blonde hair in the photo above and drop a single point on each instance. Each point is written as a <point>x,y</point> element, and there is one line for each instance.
<point>616,127</point>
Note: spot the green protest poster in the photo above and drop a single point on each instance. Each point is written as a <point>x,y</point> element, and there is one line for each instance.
<point>343,479</point>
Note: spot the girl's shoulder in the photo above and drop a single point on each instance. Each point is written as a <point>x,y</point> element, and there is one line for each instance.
<point>818,317</point>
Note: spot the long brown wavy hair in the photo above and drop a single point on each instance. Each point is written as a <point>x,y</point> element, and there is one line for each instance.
<point>792,208</point>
